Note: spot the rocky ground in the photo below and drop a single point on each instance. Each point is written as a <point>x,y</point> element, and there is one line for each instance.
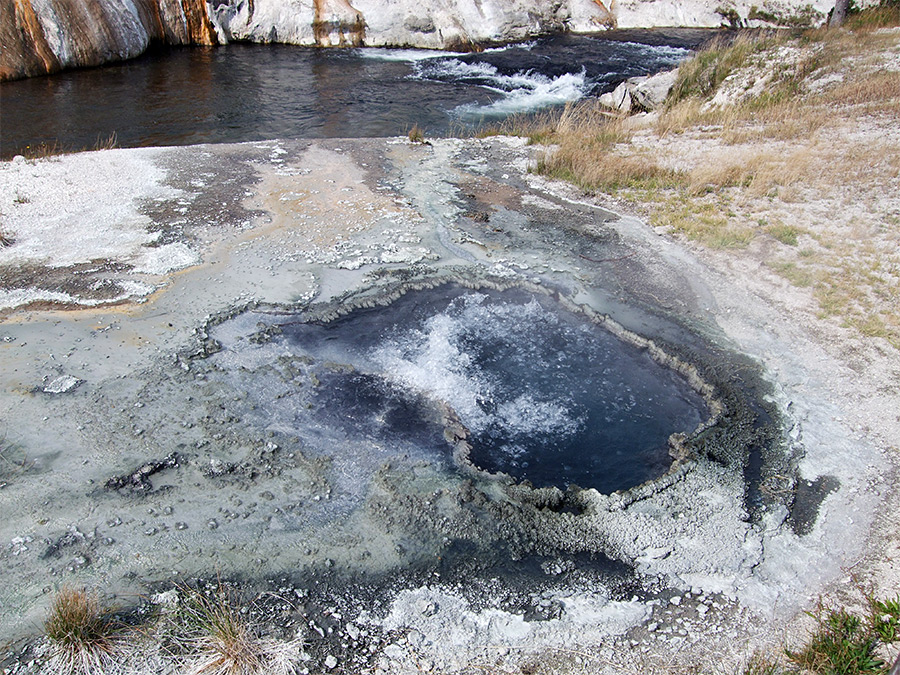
<point>136,460</point>
<point>797,199</point>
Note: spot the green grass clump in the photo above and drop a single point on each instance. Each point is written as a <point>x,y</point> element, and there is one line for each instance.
<point>700,76</point>
<point>702,221</point>
<point>885,618</point>
<point>786,234</point>
<point>844,643</point>
<point>841,645</point>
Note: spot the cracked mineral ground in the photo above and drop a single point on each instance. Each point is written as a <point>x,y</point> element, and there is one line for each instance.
<point>423,407</point>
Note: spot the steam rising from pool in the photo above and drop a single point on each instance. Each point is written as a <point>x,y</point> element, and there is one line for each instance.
<point>546,394</point>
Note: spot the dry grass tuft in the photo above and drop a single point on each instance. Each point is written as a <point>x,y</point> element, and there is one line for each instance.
<point>107,143</point>
<point>591,119</point>
<point>42,150</point>
<point>216,638</point>
<point>53,148</point>
<point>587,140</point>
<point>591,168</point>
<point>707,178</point>
<point>81,631</point>
<point>416,134</point>
<point>581,117</point>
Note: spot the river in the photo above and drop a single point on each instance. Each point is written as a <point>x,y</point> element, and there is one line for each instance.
<point>244,92</point>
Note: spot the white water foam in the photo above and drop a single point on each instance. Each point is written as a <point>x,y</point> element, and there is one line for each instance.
<point>524,46</point>
<point>431,361</point>
<point>524,91</point>
<point>438,360</point>
<point>539,92</point>
<point>407,55</point>
<point>662,52</point>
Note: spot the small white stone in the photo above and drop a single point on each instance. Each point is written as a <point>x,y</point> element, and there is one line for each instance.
<point>62,384</point>
<point>330,662</point>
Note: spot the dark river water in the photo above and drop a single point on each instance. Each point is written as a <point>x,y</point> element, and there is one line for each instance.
<point>244,92</point>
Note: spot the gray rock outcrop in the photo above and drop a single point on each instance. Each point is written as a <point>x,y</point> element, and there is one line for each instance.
<point>640,94</point>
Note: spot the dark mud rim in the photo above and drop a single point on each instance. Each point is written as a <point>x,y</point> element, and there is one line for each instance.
<point>455,432</point>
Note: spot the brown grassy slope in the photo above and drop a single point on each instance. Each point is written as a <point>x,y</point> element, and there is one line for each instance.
<point>782,148</point>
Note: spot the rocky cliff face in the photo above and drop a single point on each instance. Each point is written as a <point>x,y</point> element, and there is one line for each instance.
<point>44,36</point>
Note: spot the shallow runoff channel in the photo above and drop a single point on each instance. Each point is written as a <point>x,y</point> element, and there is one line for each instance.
<point>370,382</point>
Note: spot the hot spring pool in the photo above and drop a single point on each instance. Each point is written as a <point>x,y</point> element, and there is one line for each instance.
<point>546,394</point>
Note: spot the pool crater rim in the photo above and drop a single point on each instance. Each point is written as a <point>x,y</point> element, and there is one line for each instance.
<point>456,433</point>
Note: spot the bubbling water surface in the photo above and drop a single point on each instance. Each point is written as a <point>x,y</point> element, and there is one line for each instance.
<point>547,394</point>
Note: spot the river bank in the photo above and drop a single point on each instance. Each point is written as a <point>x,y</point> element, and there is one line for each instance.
<point>41,39</point>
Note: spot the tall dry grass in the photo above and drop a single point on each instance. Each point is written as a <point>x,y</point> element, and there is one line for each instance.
<point>587,141</point>
<point>82,632</point>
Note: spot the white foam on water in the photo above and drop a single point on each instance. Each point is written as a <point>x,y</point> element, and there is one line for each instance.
<point>524,91</point>
<point>525,46</point>
<point>662,52</point>
<point>431,361</point>
<point>406,55</point>
<point>536,93</point>
<point>438,361</point>
<point>454,70</point>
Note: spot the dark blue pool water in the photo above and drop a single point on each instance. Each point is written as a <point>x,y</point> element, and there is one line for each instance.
<point>243,92</point>
<point>548,395</point>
